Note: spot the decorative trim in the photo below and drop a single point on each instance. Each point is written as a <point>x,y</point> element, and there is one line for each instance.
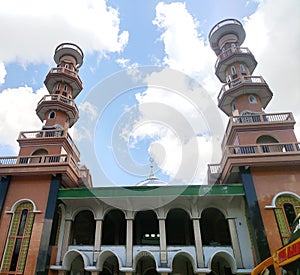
<point>16,204</point>
<point>273,203</point>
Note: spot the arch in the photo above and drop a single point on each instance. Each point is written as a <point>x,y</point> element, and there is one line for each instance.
<point>145,228</point>
<point>273,203</point>
<point>103,256</point>
<point>83,228</point>
<point>70,256</point>
<point>252,99</point>
<point>18,237</point>
<point>186,255</point>
<point>214,228</point>
<point>52,115</point>
<point>16,204</point>
<point>266,139</point>
<point>114,228</point>
<point>145,255</point>
<point>40,152</point>
<point>179,227</point>
<point>80,209</point>
<point>286,206</point>
<point>222,254</point>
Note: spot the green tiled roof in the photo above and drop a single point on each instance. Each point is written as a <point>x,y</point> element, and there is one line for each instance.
<point>149,191</point>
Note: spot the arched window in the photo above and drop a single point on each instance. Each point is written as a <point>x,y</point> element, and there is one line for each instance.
<point>52,115</point>
<point>233,70</point>
<point>179,228</point>
<point>58,86</point>
<point>114,228</point>
<point>214,228</point>
<point>83,228</point>
<point>233,107</point>
<point>242,68</point>
<point>290,213</point>
<point>145,228</point>
<point>286,210</point>
<point>266,147</point>
<point>252,99</point>
<point>18,238</point>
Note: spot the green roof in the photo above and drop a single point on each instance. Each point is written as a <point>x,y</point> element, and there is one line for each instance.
<point>150,191</point>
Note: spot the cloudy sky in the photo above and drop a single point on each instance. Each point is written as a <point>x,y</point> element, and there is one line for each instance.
<point>140,121</point>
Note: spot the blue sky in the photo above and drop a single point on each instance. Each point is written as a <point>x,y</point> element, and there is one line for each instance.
<point>117,35</point>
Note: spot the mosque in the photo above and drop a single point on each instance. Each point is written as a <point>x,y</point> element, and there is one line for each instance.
<point>53,221</point>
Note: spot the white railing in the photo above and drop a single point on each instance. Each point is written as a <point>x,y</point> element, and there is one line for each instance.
<point>240,80</point>
<point>51,134</point>
<point>265,118</point>
<point>60,98</point>
<point>254,150</point>
<point>266,148</point>
<point>65,71</point>
<point>231,51</point>
<point>223,23</point>
<point>34,159</point>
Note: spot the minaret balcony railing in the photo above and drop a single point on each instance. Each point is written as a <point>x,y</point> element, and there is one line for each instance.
<point>223,23</point>
<point>230,52</point>
<point>239,155</point>
<point>40,159</point>
<point>262,149</point>
<point>63,70</point>
<point>249,80</point>
<point>50,134</point>
<point>59,98</point>
<point>41,164</point>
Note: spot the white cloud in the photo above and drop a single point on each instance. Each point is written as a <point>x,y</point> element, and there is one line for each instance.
<point>123,62</point>
<point>2,73</point>
<point>17,112</point>
<point>273,36</point>
<point>185,48</point>
<point>31,29</point>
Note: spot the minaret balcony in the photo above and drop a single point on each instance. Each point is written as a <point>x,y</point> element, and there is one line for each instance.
<point>266,121</point>
<point>254,85</point>
<point>41,165</point>
<point>49,136</point>
<point>57,101</point>
<point>232,55</point>
<point>264,154</point>
<point>64,75</point>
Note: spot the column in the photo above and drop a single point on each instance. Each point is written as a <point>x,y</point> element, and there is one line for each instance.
<point>163,241</point>
<point>129,242</point>
<point>235,242</point>
<point>65,243</point>
<point>198,243</point>
<point>97,242</point>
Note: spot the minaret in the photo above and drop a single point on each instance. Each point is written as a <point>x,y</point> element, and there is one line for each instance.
<point>260,150</point>
<point>58,111</point>
<point>48,160</point>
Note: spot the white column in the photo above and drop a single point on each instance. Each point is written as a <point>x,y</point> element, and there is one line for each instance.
<point>97,242</point>
<point>163,241</point>
<point>66,237</point>
<point>235,242</point>
<point>198,243</point>
<point>129,242</point>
